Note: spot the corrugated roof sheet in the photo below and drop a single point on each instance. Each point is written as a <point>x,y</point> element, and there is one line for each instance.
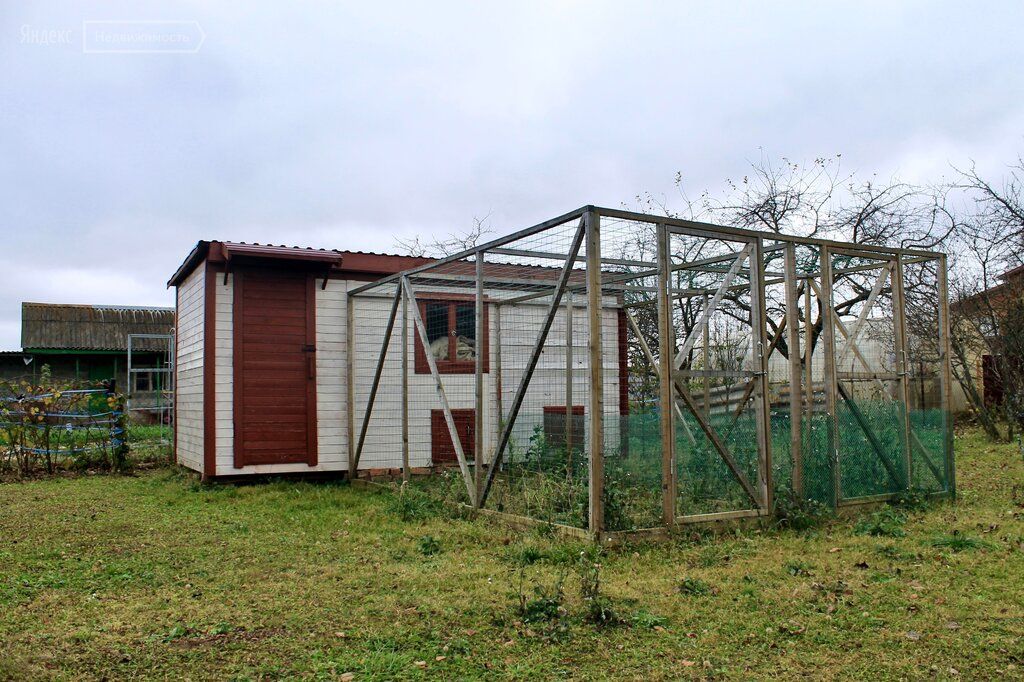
<point>92,327</point>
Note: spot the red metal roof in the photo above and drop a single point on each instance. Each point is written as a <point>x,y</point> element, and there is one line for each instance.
<point>362,262</point>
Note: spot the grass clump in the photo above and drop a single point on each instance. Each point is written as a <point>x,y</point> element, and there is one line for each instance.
<point>798,568</point>
<point>412,505</point>
<point>914,500</point>
<point>958,542</point>
<point>694,587</point>
<point>886,522</point>
<point>428,545</point>
<point>646,619</point>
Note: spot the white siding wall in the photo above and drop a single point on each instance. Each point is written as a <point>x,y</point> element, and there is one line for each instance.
<point>189,362</point>
<point>224,388</point>
<point>520,326</point>
<point>331,389</point>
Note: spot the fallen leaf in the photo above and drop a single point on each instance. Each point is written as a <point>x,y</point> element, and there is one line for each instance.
<point>340,635</point>
<point>835,549</point>
<point>347,677</point>
<point>913,635</point>
<point>439,658</point>
<point>689,664</point>
<point>420,664</point>
<point>952,625</point>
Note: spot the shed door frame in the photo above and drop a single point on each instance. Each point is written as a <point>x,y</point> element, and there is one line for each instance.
<point>238,375</point>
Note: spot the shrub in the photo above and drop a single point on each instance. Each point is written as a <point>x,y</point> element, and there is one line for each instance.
<point>798,513</point>
<point>51,424</point>
<point>598,608</point>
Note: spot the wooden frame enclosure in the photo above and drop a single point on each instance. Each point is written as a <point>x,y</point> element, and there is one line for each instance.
<point>718,369</point>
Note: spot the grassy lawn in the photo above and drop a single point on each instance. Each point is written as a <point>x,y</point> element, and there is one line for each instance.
<point>158,576</point>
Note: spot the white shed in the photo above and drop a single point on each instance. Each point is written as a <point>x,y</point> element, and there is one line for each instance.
<point>264,375</point>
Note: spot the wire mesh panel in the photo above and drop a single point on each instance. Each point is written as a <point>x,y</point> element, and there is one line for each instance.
<point>870,413</point>
<point>541,388</point>
<point>783,315</point>
<point>720,440</point>
<point>930,421</point>
<point>817,446</point>
<point>633,495</point>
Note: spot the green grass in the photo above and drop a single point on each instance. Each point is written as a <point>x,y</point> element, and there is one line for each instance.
<point>155,575</point>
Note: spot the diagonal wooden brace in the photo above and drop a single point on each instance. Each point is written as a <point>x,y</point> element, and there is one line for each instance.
<point>421,329</point>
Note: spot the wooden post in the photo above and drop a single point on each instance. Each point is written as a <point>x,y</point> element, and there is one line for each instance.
<point>405,387</point>
<point>568,381</point>
<point>350,361</point>
<point>899,307</point>
<point>829,359</point>
<point>707,362</point>
<point>478,416</point>
<point>762,408</point>
<point>795,391</point>
<point>945,372</point>
<point>596,362</point>
<point>666,351</point>
<point>809,351</point>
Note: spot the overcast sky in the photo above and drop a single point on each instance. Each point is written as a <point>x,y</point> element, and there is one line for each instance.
<point>344,125</point>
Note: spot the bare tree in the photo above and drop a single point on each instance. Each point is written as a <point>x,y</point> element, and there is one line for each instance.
<point>988,292</point>
<point>440,247</point>
<point>818,200</point>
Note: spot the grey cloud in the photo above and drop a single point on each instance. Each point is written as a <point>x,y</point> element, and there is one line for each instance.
<point>346,124</point>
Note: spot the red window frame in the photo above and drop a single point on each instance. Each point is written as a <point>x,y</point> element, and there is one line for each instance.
<point>451,366</point>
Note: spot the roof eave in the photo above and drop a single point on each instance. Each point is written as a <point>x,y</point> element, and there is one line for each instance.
<point>192,261</point>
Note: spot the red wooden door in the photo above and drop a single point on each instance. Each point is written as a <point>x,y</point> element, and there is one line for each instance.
<point>442,449</point>
<point>274,329</point>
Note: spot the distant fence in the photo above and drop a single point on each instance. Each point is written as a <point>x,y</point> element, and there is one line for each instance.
<point>46,428</point>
